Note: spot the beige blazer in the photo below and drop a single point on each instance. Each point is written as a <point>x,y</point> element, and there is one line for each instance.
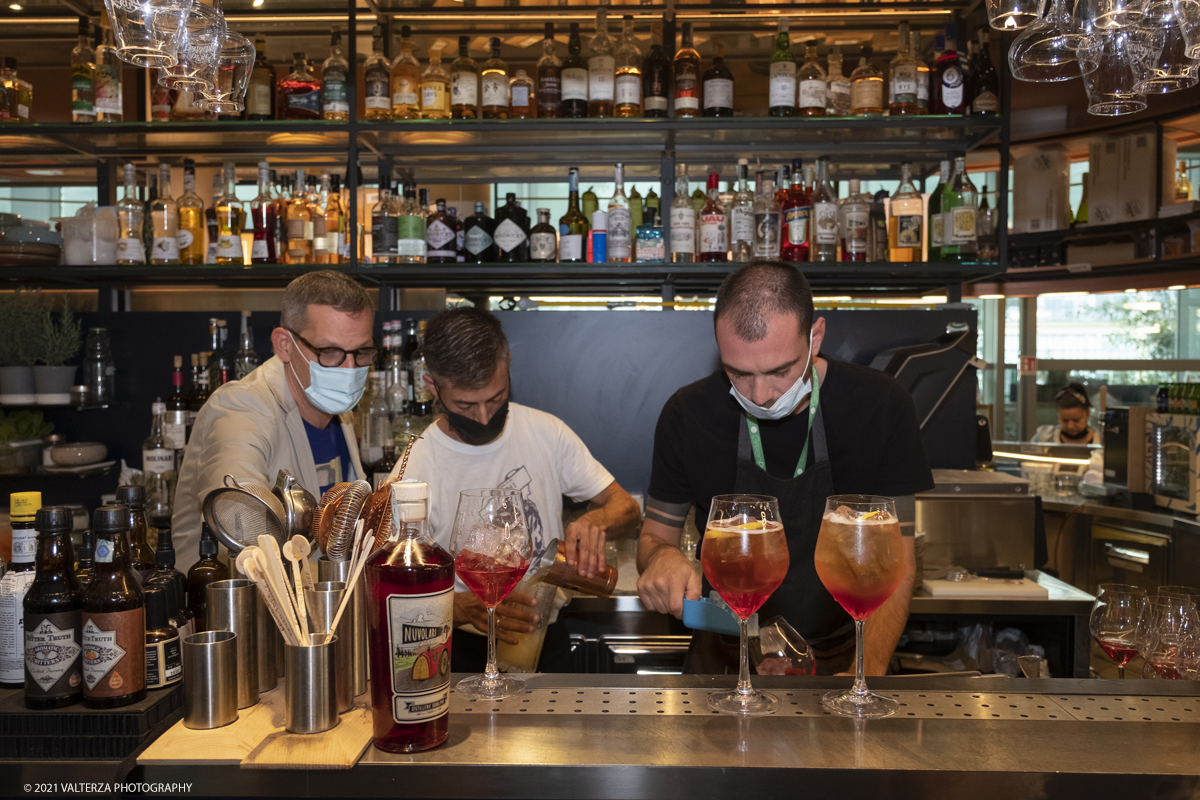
<point>250,429</point>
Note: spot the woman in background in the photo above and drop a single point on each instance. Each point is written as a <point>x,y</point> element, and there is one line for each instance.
<point>1074,409</point>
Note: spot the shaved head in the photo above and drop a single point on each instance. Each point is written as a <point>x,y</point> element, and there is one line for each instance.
<point>750,297</point>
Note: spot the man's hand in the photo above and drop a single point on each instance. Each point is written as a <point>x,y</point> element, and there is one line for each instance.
<point>512,616</point>
<point>666,580</point>
<point>584,545</point>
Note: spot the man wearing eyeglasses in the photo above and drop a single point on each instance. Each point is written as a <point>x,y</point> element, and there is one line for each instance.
<point>290,413</point>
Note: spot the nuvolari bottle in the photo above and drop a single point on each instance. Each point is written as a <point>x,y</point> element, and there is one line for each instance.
<point>114,618</point>
<point>53,617</point>
<point>140,552</point>
<point>164,654</point>
<point>13,586</point>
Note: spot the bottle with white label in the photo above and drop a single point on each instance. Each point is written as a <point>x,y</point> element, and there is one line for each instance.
<point>811,85</point>
<point>718,86</point>
<point>960,202</point>
<point>440,241</point>
<point>52,616</point>
<point>406,80</point>
<point>229,221</point>
<point>866,87</point>
<point>113,618</point>
<point>158,463</point>
<point>713,244</point>
<point>23,508</point>
<point>767,222</point>
<point>464,83</point>
<point>629,72</point>
<point>854,218</point>
<point>479,246</point>
<point>410,227</point>
<point>574,78</point>
<point>620,222</point>
<point>682,224</point>
<point>512,231</point>
<point>164,658</point>
<point>936,221</point>
<point>837,97</point>
<point>164,218</point>
<point>741,242</point>
<point>572,226</point>
<point>902,85</point>
<point>601,69</point>
<point>335,103</point>
<point>824,216</point>
<point>782,86</point>
<point>435,89</point>
<point>495,85</point>
<point>543,240</point>
<point>906,219</point>
<point>130,216</point>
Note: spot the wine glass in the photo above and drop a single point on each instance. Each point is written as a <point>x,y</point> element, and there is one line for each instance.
<point>860,559</point>
<point>1171,625</point>
<point>200,42</point>
<point>491,547</point>
<point>745,558</point>
<point>1118,622</point>
<point>1048,51</point>
<point>1112,83</point>
<point>147,32</point>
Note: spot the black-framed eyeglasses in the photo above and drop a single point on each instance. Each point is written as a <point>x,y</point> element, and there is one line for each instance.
<point>336,356</point>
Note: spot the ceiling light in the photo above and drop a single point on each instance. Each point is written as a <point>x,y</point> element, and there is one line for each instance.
<point>257,3</point>
<point>1177,287</point>
<point>991,297</point>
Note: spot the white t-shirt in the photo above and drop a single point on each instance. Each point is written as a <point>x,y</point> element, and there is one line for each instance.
<point>536,453</point>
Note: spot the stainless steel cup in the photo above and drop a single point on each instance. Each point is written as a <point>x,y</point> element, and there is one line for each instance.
<point>357,612</point>
<point>268,667</point>
<point>322,602</point>
<point>310,697</point>
<point>231,607</point>
<point>210,669</point>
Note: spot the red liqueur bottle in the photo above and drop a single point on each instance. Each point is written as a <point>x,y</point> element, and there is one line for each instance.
<point>410,611</point>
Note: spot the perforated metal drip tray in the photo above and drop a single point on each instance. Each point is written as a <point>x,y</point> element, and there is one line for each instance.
<point>919,705</point>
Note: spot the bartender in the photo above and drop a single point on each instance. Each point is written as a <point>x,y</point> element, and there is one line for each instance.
<point>291,412</point>
<point>1074,409</point>
<point>484,440</point>
<point>777,419</point>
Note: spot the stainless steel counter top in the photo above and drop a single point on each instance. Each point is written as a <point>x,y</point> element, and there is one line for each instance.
<point>616,736</point>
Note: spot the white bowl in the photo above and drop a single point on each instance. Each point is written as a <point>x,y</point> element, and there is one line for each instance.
<point>78,454</point>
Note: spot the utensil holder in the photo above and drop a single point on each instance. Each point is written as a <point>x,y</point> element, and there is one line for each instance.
<point>357,613</point>
<point>210,686</point>
<point>310,696</point>
<point>322,602</point>
<point>232,607</point>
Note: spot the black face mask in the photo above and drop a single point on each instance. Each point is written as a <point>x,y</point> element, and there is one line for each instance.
<point>477,433</point>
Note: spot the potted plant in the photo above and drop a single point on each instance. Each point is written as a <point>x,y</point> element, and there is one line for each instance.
<point>21,435</point>
<point>57,339</point>
<point>18,317</point>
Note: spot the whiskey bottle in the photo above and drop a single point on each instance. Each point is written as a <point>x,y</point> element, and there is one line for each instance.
<point>656,76</point>
<point>813,85</point>
<point>464,83</point>
<point>549,78</point>
<point>260,93</point>
<point>837,102</point>
<point>300,92</point>
<point>521,90</point>
<point>478,243</point>
<point>687,76</point>
<point>601,69</point>
<point>410,227</point>
<point>866,87</point>
<point>317,201</point>
<point>902,85</point>
<point>110,104</point>
<point>435,89</point>
<point>83,77</point>
<point>440,247</point>
<point>495,85</point>
<point>335,102</point>
<point>384,225</point>
<point>406,80</point>
<point>13,586</point>
<point>718,87</point>
<point>543,241</point>
<point>985,84</point>
<point>620,222</point>
<point>52,611</point>
<point>377,79</point>
<point>229,220</point>
<point>574,79</point>
<point>781,88</point>
<point>512,231</point>
<point>299,224</point>
<point>629,72</point>
<point>130,215</point>
<point>336,221</point>
<point>573,226</point>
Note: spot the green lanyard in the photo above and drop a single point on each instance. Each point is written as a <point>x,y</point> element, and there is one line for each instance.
<point>756,439</point>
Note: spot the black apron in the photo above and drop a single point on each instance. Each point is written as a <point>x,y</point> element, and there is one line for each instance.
<point>801,599</point>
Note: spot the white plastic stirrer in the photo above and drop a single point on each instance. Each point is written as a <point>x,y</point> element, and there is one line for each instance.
<point>297,584</point>
<point>362,551</point>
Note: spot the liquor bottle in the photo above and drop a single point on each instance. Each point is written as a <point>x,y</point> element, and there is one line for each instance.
<point>960,202</point>
<point>141,555</point>
<point>1183,185</point>
<point>176,426</point>
<point>439,236</point>
<point>478,241</point>
<point>782,82</point>
<point>590,202</point>
<point>949,91</point>
<point>512,231</point>
<point>158,464</point>
<point>377,79</point>
<point>163,654</point>
<point>543,240</point>
<point>260,93</point>
<point>902,87</point>
<point>969,67</point>
<point>649,245</point>
<point>620,223</point>
<point>435,89</point>
<point>164,221</point>
<point>205,571</point>
<point>854,220</point>
<point>316,209</point>
<point>683,220</point>
<point>713,244</point>
<point>458,235</point>
<point>229,216</point>
<point>114,621</point>
<point>783,184</point>
<point>601,69</point>
<point>687,76</point>
<point>813,85</point>
<point>381,470</point>
<point>219,359</point>
<point>410,588</point>
<point>23,508</point>
<point>495,85</point>
<point>521,91</point>
<point>572,226</point>
<point>906,219</point>
<point>797,215</point>
<point>191,218</point>
<point>384,225</point>
<point>164,572</point>
<point>574,78</point>
<point>549,78</point>
<point>914,48</point>
<point>300,92</point>
<point>262,215</point>
<point>985,91</point>
<point>200,386</point>
<point>406,80</point>
<point>635,209</point>
<point>837,99</point>
<point>767,221</point>
<point>147,219</point>
<point>335,103</point>
<point>130,214</point>
<point>629,72</point>
<point>824,216</point>
<point>110,106</point>
<point>336,222</point>
<point>936,221</point>
<point>210,217</point>
<point>297,222</point>
<point>246,359</point>
<point>83,77</point>
<point>52,611</point>
<point>464,83</point>
<point>866,87</point>
<point>410,227</point>
<point>87,558</point>
<point>718,86</point>
<point>656,76</point>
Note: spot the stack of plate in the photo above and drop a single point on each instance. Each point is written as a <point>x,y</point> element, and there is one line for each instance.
<point>29,254</point>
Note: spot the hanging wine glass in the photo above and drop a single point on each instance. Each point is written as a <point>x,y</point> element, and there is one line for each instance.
<point>199,45</point>
<point>1013,15</point>
<point>1048,50</point>
<point>1187,16</point>
<point>147,31</point>
<point>1160,60</point>
<point>1109,75</point>
<point>224,90</point>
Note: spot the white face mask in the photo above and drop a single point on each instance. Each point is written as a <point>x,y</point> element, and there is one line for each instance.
<point>788,401</point>
<point>333,390</point>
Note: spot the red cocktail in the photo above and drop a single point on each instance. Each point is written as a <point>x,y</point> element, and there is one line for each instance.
<point>489,579</point>
<point>1119,650</point>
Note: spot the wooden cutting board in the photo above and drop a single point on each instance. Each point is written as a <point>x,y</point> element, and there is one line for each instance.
<point>258,740</point>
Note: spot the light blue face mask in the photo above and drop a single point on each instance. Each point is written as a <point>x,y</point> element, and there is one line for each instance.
<point>788,401</point>
<point>334,390</point>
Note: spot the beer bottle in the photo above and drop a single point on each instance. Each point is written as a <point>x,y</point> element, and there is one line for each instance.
<point>205,571</point>
<point>164,656</point>
<point>14,584</point>
<point>53,608</point>
<point>114,618</point>
<point>139,529</point>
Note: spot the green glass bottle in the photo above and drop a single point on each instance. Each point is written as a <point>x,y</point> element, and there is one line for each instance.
<point>635,208</point>
<point>782,86</point>
<point>590,204</point>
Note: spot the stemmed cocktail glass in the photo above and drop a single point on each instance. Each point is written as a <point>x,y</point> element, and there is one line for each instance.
<point>745,558</point>
<point>1118,622</point>
<point>860,559</point>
